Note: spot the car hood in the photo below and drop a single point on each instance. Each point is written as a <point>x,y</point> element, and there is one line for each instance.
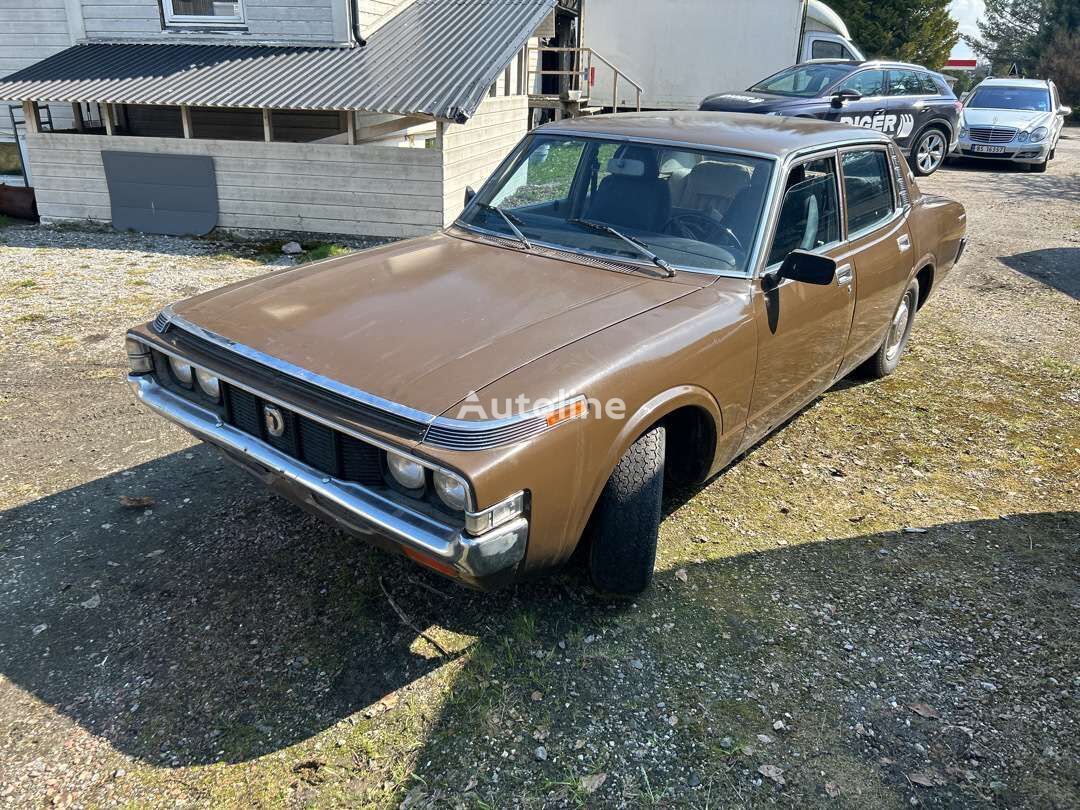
<point>423,323</point>
<point>1021,119</point>
<point>750,101</point>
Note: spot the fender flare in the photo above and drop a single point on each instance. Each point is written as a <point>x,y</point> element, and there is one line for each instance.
<point>636,424</point>
<point>937,123</point>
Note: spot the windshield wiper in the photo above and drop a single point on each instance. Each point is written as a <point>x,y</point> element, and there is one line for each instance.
<point>510,219</point>
<point>633,241</point>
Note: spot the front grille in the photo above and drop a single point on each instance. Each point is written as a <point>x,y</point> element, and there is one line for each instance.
<point>325,449</point>
<point>992,134</point>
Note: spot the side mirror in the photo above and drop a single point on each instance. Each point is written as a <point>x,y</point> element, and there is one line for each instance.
<point>809,268</point>
<point>843,95</point>
<point>470,193</point>
<point>1064,110</point>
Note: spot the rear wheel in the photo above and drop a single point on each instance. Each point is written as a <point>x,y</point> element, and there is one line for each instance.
<point>887,357</point>
<point>929,152</point>
<point>626,522</point>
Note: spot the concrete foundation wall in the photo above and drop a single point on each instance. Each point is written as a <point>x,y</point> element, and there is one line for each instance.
<point>317,188</point>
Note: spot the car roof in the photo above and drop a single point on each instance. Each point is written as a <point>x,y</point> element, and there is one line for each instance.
<point>878,63</point>
<point>1006,82</point>
<point>769,135</point>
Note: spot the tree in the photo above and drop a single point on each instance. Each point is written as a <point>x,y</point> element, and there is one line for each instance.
<point>1021,31</point>
<point>1061,62</point>
<point>919,31</point>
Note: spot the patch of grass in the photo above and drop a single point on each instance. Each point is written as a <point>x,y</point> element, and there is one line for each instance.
<point>4,221</point>
<point>325,251</point>
<point>30,317</point>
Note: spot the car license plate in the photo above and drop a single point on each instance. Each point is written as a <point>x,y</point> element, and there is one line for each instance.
<point>989,150</point>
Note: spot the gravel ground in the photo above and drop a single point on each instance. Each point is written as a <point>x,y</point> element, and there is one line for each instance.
<point>876,608</point>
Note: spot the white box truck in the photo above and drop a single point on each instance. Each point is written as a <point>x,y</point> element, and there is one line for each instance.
<point>681,51</point>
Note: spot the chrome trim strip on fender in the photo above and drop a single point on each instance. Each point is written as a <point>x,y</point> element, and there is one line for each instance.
<point>479,556</point>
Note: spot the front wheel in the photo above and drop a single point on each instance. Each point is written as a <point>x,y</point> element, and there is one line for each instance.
<point>929,152</point>
<point>626,521</point>
<point>887,357</point>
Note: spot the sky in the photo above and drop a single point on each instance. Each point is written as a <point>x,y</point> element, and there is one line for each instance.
<point>966,12</point>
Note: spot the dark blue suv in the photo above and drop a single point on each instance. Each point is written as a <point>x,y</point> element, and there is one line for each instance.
<point>911,103</point>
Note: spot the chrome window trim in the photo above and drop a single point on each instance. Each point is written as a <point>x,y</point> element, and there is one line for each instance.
<point>834,154</point>
<point>362,437</point>
<point>751,259</point>
<point>898,209</point>
<point>808,153</point>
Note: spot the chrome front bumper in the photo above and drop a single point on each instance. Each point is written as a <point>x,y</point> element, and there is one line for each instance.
<point>356,508</point>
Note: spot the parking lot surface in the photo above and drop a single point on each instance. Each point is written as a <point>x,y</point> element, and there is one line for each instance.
<point>876,607</point>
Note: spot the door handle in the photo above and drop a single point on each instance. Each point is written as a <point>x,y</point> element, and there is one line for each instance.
<point>904,243</point>
<point>844,275</point>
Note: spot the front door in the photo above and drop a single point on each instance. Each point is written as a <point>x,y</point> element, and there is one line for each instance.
<point>870,111</point>
<point>802,328</point>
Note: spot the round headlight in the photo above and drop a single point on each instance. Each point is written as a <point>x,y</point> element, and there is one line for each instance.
<point>209,384</point>
<point>181,370</point>
<point>405,471</point>
<point>1038,134</point>
<point>450,491</point>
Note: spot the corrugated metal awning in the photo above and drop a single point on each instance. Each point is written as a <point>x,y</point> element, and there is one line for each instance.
<point>435,57</point>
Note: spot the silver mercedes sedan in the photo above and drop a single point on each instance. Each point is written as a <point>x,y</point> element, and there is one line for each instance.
<point>1012,119</point>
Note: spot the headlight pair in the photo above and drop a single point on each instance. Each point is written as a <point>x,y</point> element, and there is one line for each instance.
<point>186,374</point>
<point>412,476</point>
<point>1035,136</point>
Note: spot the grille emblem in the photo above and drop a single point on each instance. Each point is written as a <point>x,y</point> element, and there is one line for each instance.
<point>274,420</point>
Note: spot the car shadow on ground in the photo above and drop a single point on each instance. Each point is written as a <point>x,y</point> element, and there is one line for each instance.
<point>1055,267</point>
<point>214,622</point>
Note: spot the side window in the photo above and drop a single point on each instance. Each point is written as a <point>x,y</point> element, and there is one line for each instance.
<point>928,86</point>
<point>904,83</point>
<point>866,82</point>
<point>867,189</point>
<point>809,215</point>
<point>824,49</point>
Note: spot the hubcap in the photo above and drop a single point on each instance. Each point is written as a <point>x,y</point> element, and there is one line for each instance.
<point>898,328</point>
<point>931,151</point>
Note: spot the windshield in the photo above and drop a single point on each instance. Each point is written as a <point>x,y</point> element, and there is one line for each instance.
<point>805,81</point>
<point>1035,99</point>
<point>694,209</point>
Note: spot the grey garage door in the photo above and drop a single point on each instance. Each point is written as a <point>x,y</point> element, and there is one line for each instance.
<point>171,194</point>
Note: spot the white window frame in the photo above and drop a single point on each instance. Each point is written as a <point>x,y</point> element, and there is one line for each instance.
<point>171,18</point>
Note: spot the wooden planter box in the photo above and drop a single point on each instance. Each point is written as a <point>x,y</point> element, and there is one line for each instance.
<point>18,202</point>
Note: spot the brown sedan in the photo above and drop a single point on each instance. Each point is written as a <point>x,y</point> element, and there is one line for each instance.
<point>628,299</point>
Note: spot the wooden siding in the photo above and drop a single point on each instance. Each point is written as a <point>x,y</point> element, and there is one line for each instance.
<point>472,151</point>
<point>31,30</point>
<point>286,21</point>
<point>317,188</point>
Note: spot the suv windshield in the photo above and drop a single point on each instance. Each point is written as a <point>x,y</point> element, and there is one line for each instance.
<point>804,81</point>
<point>692,208</point>
<point>1035,99</point>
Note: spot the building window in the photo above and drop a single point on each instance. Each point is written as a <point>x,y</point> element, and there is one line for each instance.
<point>203,12</point>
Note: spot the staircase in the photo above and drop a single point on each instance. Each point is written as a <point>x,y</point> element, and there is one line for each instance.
<point>577,81</point>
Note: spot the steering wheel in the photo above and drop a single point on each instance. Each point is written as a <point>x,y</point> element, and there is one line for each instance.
<point>701,228</point>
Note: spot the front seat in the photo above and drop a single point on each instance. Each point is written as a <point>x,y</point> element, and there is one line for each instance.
<point>712,185</point>
<point>632,195</point>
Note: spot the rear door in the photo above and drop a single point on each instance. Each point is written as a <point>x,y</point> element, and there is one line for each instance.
<point>915,100</point>
<point>879,245</point>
